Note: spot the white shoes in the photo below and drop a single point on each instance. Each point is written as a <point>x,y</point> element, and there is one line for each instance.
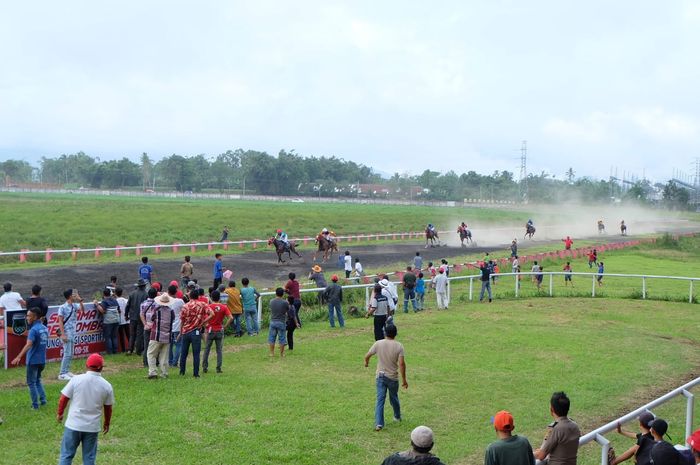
<point>64,377</point>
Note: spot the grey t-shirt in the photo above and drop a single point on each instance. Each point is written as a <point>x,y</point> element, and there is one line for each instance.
<point>278,309</point>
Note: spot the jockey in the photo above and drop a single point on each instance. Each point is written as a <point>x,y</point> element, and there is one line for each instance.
<point>282,236</point>
<point>431,227</point>
<point>462,227</point>
<point>530,223</point>
<point>329,235</point>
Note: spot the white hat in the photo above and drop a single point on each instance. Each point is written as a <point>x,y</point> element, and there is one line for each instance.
<point>384,282</point>
<point>164,300</point>
<point>422,436</point>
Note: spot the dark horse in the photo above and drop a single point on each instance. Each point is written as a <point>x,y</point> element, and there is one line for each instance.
<point>601,227</point>
<point>623,229</point>
<point>280,248</point>
<point>326,246</point>
<point>529,231</point>
<point>464,234</point>
<point>431,236</point>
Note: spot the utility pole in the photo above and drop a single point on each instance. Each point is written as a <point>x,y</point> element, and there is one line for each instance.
<point>523,172</point>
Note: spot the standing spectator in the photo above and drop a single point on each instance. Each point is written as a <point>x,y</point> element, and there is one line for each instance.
<point>418,262</point>
<point>292,322</point>
<point>514,248</point>
<point>445,267</point>
<point>161,327</point>
<point>278,322</point>
<point>515,264</point>
<point>35,349</point>
<point>390,288</point>
<point>218,271</point>
<point>359,271</point>
<point>133,306</point>
<point>224,234</point>
<point>663,453</point>
<point>568,242</point>
<point>334,296</point>
<point>509,449</point>
<point>347,264</point>
<point>592,258</point>
<point>601,271</point>
<point>186,272</point>
<point>539,277</point>
<point>145,270</point>
<point>380,307</point>
<point>561,441</point>
<point>419,454</point>
<point>215,330</point>
<point>250,297</point>
<point>390,355</point>
<point>420,291</point>
<point>409,289</point>
<point>694,443</point>
<point>109,309</point>
<point>148,306</point>
<point>495,270</point>
<point>37,301</point>
<point>644,441</point>
<point>123,330</point>
<point>535,269</point>
<point>89,394</point>
<point>176,304</point>
<point>485,282</point>
<point>194,315</point>
<point>567,274</point>
<point>316,275</point>
<point>440,282</point>
<point>235,306</point>
<point>292,290</point>
<point>432,270</point>
<point>66,326</point>
<point>112,286</point>
<point>11,300</point>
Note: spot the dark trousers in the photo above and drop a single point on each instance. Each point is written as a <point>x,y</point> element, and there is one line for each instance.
<point>379,322</point>
<point>123,334</point>
<point>291,326</point>
<point>146,340</point>
<point>193,338</point>
<point>136,336</point>
<point>217,283</point>
<point>109,334</point>
<point>214,337</point>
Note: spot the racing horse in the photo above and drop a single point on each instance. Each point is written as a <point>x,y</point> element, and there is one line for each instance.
<point>432,236</point>
<point>281,248</point>
<point>529,230</point>
<point>464,234</point>
<point>623,228</point>
<point>601,227</point>
<point>326,246</point>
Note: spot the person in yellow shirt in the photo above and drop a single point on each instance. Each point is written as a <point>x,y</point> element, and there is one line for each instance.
<point>235,305</point>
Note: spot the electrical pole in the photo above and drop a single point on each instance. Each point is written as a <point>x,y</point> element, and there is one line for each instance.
<point>523,172</point>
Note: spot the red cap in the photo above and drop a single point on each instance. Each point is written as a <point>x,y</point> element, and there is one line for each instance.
<point>174,283</point>
<point>334,277</point>
<point>694,440</point>
<point>95,361</point>
<point>503,421</point>
<point>156,286</point>
<point>279,230</point>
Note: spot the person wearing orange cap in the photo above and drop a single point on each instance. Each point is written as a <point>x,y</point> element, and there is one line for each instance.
<point>89,395</point>
<point>510,449</point>
<point>694,443</point>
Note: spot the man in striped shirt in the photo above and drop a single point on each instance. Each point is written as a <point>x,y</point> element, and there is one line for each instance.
<point>161,326</point>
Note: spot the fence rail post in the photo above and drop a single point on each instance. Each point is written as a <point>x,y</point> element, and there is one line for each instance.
<point>471,288</point>
<point>593,290</point>
<point>551,283</point>
<point>644,287</point>
<point>690,401</point>
<point>690,294</point>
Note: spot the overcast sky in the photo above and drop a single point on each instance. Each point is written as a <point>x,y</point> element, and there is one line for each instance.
<point>401,86</point>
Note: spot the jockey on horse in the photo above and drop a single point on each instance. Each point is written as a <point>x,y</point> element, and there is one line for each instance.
<point>282,236</point>
<point>328,235</point>
<point>601,227</point>
<point>529,228</point>
<point>623,228</point>
<point>464,232</point>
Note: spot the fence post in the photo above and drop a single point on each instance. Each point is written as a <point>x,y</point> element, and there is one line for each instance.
<point>593,290</point>
<point>517,284</point>
<point>138,249</point>
<point>23,256</point>
<point>259,316</point>
<point>471,288</point>
<point>193,248</point>
<point>644,287</point>
<point>690,400</point>
<point>74,253</point>
<point>551,282</point>
<point>98,251</point>
<point>118,251</point>
<point>366,298</point>
<point>690,294</point>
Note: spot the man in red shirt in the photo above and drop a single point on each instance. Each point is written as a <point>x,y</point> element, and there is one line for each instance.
<point>215,330</point>
<point>292,290</point>
<point>193,317</point>
<point>568,242</point>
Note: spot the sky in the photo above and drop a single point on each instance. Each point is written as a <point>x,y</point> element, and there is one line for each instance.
<point>402,86</point>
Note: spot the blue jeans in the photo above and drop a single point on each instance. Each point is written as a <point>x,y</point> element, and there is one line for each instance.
<point>251,321</point>
<point>175,348</point>
<point>237,324</point>
<point>386,384</point>
<point>278,331</point>
<point>409,294</point>
<point>36,389</point>
<point>485,286</point>
<point>334,309</point>
<point>67,355</point>
<point>69,446</point>
<point>109,333</point>
<point>193,338</point>
<point>420,299</point>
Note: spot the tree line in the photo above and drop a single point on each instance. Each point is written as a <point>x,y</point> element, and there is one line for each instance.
<point>291,174</point>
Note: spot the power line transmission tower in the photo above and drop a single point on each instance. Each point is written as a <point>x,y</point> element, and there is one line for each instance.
<point>696,183</point>
<point>523,171</point>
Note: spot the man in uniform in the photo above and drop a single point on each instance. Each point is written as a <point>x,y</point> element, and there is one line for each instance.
<point>560,445</point>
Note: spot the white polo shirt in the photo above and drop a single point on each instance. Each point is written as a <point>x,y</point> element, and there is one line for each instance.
<point>11,301</point>
<point>88,394</point>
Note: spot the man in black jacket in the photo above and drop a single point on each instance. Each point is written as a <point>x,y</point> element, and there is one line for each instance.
<point>133,311</point>
<point>419,454</point>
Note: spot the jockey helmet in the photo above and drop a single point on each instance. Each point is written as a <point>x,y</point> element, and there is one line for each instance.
<point>430,225</point>
<point>279,231</point>
<point>324,230</point>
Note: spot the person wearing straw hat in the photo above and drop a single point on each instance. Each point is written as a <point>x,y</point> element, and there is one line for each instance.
<point>316,275</point>
<point>160,326</point>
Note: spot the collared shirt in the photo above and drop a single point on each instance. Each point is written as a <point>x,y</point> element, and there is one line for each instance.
<point>69,312</point>
<point>148,306</point>
<point>186,270</point>
<point>218,269</point>
<point>162,321</point>
<point>11,301</point>
<point>513,450</point>
<point>221,311</point>
<point>248,296</point>
<point>39,335</point>
<point>292,288</point>
<point>561,442</point>
<point>88,394</point>
<point>192,316</point>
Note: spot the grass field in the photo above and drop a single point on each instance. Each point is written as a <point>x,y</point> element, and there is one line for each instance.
<point>315,406</point>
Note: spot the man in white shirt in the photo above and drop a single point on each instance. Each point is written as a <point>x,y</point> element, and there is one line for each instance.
<point>347,261</point>
<point>440,282</point>
<point>88,395</point>
<point>11,300</point>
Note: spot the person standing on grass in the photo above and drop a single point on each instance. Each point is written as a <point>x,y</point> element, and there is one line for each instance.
<point>390,364</point>
<point>235,306</point>
<point>215,330</point>
<point>176,305</point>
<point>514,248</point>
<point>535,268</point>
<point>391,289</point>
<point>250,297</point>
<point>540,277</point>
<point>145,270</point>
<point>440,282</point>
<point>419,454</point>
<point>133,306</point>
<point>568,242</point>
<point>420,291</point>
<point>292,322</point>
<point>663,452</point>
<point>35,349</point>
<point>601,271</point>
<point>592,258</point>
<point>161,328</point>
<point>359,271</point>
<point>224,234</point>
<point>37,301</point>
<point>194,315</point>
<point>567,274</point>
<point>561,441</point>
<point>641,451</point>
<point>347,264</point>
<point>11,300</point>
<point>693,441</point>
<point>109,309</point>
<point>67,315</point>
<point>292,290</point>
<point>409,289</point>
<point>218,270</point>
<point>316,275</point>
<point>123,329</point>
<point>509,449</point>
<point>485,281</point>
<point>418,262</point>
<point>89,395</point>
<point>186,272</point>
<point>334,296</point>
<point>279,309</point>
<point>380,308</point>
<point>515,264</point>
<point>148,306</point>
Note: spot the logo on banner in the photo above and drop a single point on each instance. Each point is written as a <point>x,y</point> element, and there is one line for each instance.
<point>19,324</point>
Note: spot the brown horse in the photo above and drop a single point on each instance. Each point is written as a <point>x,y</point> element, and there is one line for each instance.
<point>432,236</point>
<point>529,231</point>
<point>281,248</point>
<point>326,246</point>
<point>464,234</point>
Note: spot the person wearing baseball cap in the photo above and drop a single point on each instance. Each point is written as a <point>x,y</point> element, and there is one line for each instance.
<point>645,441</point>
<point>663,452</point>
<point>694,443</point>
<point>419,453</point>
<point>89,395</point>
<point>334,296</point>
<point>510,449</point>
